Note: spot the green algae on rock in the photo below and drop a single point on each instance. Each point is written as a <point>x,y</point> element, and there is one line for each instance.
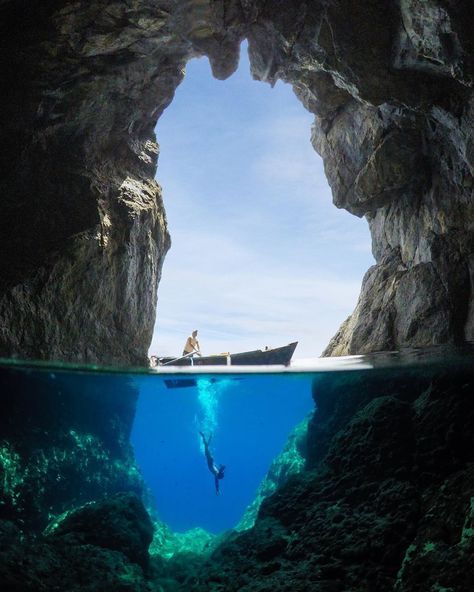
<point>62,447</point>
<point>101,547</point>
<point>119,522</point>
<point>291,461</point>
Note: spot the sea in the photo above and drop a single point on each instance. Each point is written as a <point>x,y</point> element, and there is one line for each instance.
<point>247,418</point>
<point>246,414</point>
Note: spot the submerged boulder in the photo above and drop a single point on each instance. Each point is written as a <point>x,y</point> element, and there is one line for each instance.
<point>37,564</point>
<point>120,523</point>
<point>100,547</point>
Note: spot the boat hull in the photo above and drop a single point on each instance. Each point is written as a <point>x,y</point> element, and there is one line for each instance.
<point>278,355</point>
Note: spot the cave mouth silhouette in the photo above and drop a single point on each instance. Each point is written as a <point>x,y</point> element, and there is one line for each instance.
<point>238,174</point>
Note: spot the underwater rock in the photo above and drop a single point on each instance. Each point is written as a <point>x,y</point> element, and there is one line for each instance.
<point>290,461</point>
<point>119,522</point>
<point>33,564</point>
<point>386,501</point>
<point>63,442</point>
<point>167,544</point>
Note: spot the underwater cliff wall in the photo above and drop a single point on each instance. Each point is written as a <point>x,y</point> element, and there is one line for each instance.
<point>64,442</point>
<point>386,501</point>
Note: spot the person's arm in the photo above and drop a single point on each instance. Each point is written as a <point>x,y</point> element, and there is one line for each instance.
<point>216,481</point>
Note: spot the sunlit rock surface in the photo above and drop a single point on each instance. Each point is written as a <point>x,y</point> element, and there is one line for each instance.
<point>291,461</point>
<point>391,86</point>
<point>83,230</point>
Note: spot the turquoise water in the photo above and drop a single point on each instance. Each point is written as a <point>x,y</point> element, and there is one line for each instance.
<point>249,418</point>
<point>70,434</point>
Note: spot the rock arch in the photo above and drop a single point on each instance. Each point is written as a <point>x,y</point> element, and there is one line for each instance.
<point>83,230</point>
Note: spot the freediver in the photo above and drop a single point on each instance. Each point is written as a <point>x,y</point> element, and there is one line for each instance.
<point>218,472</point>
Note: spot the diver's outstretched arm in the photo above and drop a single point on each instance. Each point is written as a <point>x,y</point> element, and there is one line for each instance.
<point>216,481</point>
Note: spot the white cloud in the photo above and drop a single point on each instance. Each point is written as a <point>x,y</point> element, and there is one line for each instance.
<point>247,307</point>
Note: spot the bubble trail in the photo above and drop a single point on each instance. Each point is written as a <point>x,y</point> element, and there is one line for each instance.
<point>209,393</point>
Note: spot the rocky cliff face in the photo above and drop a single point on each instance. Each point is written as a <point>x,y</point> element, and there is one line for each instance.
<point>390,84</point>
<point>83,228</point>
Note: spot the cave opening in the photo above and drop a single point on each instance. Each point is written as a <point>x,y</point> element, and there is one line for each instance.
<point>259,256</point>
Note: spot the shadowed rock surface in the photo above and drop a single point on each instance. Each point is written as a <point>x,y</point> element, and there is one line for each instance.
<point>83,230</point>
<point>64,441</point>
<point>120,523</point>
<point>102,546</point>
<point>385,502</point>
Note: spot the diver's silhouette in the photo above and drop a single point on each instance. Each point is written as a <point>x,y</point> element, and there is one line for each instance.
<point>218,472</point>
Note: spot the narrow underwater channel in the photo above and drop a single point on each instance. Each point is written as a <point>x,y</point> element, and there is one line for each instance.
<point>248,418</point>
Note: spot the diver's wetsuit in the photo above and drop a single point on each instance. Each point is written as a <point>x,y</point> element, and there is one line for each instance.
<point>218,472</point>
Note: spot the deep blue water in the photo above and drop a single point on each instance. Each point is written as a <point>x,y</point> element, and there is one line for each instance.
<point>249,418</point>
<point>72,425</point>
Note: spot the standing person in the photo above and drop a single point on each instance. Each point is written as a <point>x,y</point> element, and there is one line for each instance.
<point>192,345</point>
<point>217,471</point>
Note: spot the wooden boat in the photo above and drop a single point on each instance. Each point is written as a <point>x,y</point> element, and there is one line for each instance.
<point>277,355</point>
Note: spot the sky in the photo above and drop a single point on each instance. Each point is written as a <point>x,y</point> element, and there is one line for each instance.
<point>260,256</point>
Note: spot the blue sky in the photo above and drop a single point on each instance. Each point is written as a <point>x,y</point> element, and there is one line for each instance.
<point>259,256</point>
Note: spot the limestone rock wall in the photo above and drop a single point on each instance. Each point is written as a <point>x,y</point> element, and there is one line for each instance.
<point>83,230</point>
<point>390,84</point>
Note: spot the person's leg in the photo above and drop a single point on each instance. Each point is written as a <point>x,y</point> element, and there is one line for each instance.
<point>207,452</point>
